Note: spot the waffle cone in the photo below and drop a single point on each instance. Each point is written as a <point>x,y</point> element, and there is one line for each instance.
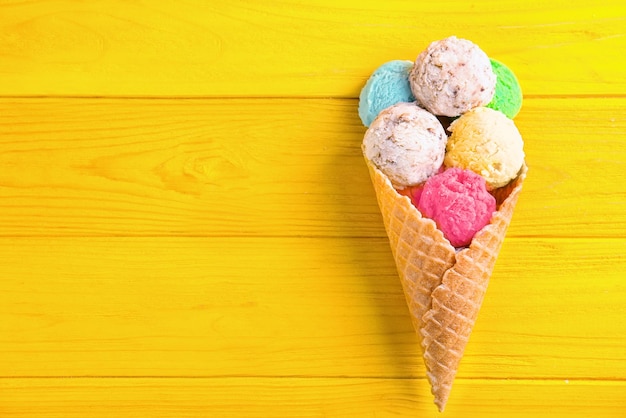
<point>444,288</point>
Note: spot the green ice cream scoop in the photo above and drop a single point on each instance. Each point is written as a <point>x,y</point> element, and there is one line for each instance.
<point>388,85</point>
<point>508,96</point>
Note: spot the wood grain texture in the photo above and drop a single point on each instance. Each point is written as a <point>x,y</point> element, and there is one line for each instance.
<point>270,167</point>
<point>188,229</point>
<point>290,48</point>
<point>303,397</point>
<point>295,307</point>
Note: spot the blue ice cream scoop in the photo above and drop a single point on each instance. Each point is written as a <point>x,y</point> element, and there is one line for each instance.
<point>388,85</point>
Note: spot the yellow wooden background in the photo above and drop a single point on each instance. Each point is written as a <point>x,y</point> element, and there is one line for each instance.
<point>187,227</point>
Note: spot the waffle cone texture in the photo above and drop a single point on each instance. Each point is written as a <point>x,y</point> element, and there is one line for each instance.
<point>444,289</point>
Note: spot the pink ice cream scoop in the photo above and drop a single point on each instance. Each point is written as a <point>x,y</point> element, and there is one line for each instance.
<point>459,203</point>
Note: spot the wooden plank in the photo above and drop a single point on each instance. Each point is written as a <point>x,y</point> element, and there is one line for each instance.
<point>305,397</point>
<point>314,48</point>
<point>259,167</point>
<point>295,307</point>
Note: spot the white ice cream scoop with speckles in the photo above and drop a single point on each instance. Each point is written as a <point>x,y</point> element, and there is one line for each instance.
<point>452,76</point>
<point>406,143</point>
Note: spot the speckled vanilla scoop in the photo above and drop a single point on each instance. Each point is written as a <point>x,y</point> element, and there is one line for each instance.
<point>452,76</point>
<point>407,143</point>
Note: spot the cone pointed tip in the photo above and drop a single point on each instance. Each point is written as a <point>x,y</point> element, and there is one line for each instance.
<point>441,399</point>
<point>441,405</point>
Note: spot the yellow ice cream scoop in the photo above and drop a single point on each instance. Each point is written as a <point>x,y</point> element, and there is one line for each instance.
<point>488,143</point>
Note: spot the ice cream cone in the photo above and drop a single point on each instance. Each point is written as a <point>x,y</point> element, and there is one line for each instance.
<point>444,288</point>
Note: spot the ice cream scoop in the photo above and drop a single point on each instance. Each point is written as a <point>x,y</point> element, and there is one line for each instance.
<point>388,85</point>
<point>459,203</point>
<point>488,143</point>
<point>406,143</point>
<point>508,96</point>
<point>452,76</point>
